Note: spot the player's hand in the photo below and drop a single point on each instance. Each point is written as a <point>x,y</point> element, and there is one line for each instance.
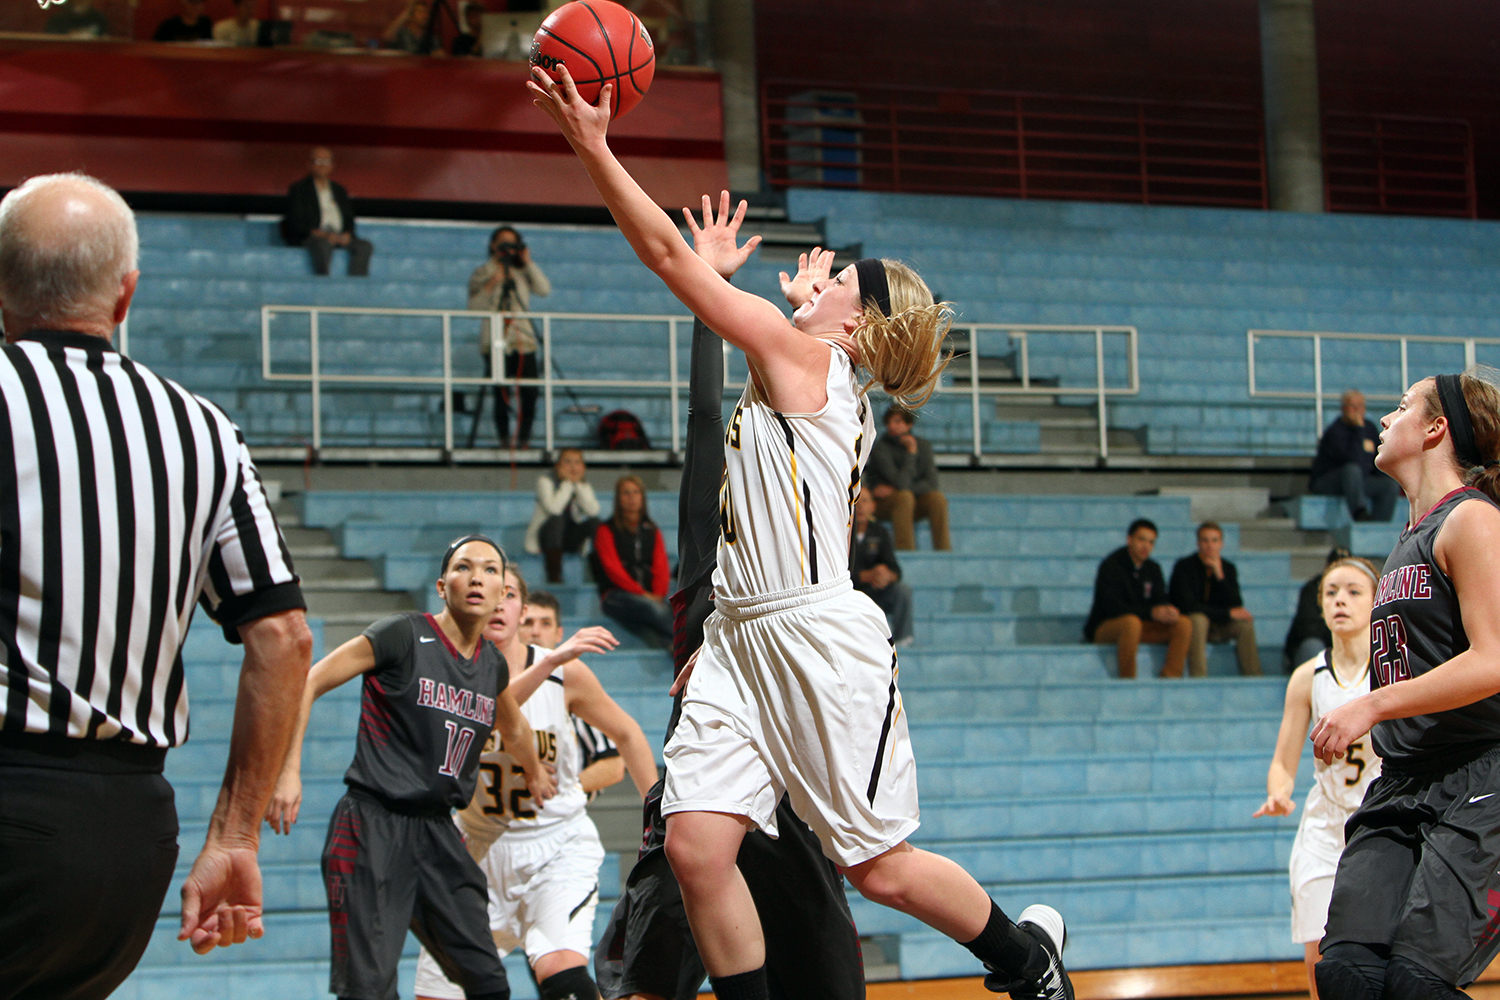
<point>680,681</point>
<point>1276,805</point>
<point>1341,727</point>
<point>286,803</point>
<point>541,783</point>
<point>582,124</point>
<point>221,899</point>
<point>594,639</point>
<point>714,241</point>
<point>811,267</point>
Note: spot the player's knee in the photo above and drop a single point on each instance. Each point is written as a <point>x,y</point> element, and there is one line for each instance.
<point>1406,980</point>
<point>695,860</point>
<point>569,984</point>
<point>879,883</point>
<point>1351,971</point>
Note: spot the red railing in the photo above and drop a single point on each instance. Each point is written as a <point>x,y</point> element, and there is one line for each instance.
<point>1395,165</point>
<point>1017,145</point>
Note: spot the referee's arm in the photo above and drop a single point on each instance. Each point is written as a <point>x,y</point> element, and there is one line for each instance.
<point>221,898</point>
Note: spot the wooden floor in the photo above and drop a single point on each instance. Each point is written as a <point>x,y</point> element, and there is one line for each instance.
<point>1242,981</point>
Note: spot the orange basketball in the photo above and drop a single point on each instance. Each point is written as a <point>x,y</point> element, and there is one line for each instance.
<point>600,42</point>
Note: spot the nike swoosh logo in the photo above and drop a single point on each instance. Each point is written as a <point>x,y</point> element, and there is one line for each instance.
<point>1480,798</point>
<point>423,638</point>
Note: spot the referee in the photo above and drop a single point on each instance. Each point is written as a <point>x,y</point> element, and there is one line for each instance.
<point>124,500</point>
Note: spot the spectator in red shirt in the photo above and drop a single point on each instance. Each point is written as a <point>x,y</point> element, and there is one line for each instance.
<point>630,565</point>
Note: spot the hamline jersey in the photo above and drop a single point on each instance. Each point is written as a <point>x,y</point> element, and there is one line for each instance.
<point>790,479</point>
<point>1417,625</point>
<point>425,712</point>
<point>126,501</point>
<point>502,803</point>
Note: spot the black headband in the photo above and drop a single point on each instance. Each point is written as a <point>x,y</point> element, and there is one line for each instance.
<point>872,283</point>
<point>1451,396</point>
<point>459,543</point>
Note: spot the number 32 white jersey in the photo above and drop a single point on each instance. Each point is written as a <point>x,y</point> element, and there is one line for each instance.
<point>789,485</point>
<point>501,802</point>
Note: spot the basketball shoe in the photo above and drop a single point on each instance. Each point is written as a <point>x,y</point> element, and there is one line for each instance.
<point>1045,925</point>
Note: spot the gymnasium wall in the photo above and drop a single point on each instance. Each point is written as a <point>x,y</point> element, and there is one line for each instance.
<point>200,121</point>
<point>1386,56</point>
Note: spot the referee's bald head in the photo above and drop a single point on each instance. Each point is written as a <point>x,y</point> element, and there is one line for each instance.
<point>68,252</point>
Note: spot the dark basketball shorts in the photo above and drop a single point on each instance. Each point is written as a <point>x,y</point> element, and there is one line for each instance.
<point>1419,871</point>
<point>386,871</point>
<point>812,947</point>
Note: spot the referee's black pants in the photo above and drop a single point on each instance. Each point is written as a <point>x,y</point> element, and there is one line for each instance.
<point>88,841</point>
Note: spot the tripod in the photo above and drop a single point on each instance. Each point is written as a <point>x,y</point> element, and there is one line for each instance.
<point>429,33</point>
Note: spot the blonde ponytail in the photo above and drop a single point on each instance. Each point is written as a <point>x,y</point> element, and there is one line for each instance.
<point>903,352</point>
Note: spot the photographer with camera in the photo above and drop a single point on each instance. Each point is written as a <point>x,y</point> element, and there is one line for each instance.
<point>506,282</point>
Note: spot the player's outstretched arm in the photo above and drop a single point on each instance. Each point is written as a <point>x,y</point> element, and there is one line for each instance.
<point>811,268</point>
<point>749,322</point>
<point>343,664</point>
<point>588,700</point>
<point>516,736</point>
<point>221,898</point>
<point>1281,777</point>
<point>593,639</point>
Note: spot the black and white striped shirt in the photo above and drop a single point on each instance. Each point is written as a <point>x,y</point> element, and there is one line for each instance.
<point>124,500</point>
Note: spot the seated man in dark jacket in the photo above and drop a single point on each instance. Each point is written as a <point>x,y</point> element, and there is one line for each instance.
<point>1206,588</point>
<point>320,217</point>
<point>875,571</point>
<point>1131,605</point>
<point>1345,464</point>
<point>903,478</point>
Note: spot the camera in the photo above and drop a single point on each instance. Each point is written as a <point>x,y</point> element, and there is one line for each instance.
<point>510,254</point>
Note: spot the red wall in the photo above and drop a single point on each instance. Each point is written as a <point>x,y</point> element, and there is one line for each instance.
<point>1385,56</point>
<point>154,118</point>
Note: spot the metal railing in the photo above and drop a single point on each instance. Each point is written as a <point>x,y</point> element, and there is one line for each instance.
<point>1023,382</point>
<point>1019,335</point>
<point>1398,165</point>
<point>1318,339</point>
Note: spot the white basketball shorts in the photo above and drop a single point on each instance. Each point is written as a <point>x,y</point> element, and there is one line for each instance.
<point>543,893</point>
<point>1314,861</point>
<point>796,692</point>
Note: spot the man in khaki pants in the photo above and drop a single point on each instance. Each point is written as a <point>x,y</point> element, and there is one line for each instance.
<point>1131,604</point>
<point>1206,587</point>
<point>902,477</point>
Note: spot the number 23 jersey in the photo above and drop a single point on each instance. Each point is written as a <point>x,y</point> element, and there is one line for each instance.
<point>1417,625</point>
<point>501,803</point>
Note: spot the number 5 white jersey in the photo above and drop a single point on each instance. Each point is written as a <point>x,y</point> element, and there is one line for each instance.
<point>789,485</point>
<point>501,803</point>
<point>1338,788</point>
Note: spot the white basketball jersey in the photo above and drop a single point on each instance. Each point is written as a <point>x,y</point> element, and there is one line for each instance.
<point>501,802</point>
<point>1338,788</point>
<point>790,479</point>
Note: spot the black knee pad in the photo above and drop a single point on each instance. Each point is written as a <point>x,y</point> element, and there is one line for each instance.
<point>1350,971</point>
<point>569,984</point>
<point>1406,980</point>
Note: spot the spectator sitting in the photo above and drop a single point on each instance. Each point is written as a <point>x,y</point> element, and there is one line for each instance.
<point>873,565</point>
<point>506,281</point>
<point>1206,589</point>
<point>466,42</point>
<point>566,515</point>
<point>903,478</point>
<point>1308,635</point>
<point>241,29</point>
<point>1345,464</point>
<point>78,19</point>
<point>1131,605</point>
<point>408,30</point>
<point>320,217</point>
<point>192,25</point>
<point>630,565</point>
